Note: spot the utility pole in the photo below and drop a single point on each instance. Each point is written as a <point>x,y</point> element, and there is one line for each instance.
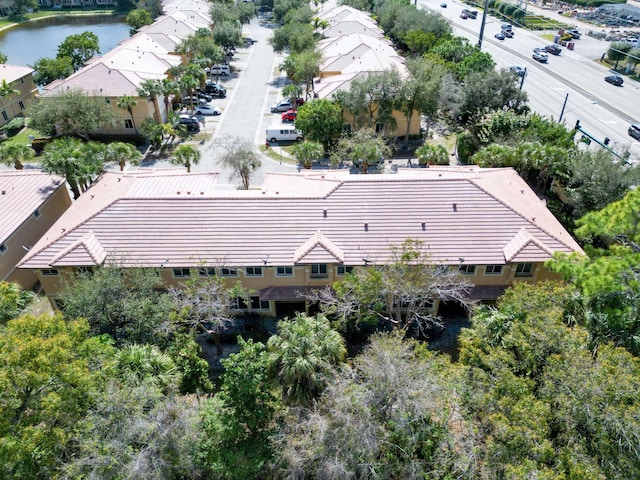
<point>566,97</point>
<point>484,19</point>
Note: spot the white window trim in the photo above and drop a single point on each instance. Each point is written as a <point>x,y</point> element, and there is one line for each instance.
<point>173,272</point>
<point>228,275</point>
<point>493,274</point>
<point>254,275</point>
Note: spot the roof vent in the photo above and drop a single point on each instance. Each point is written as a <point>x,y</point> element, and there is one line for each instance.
<point>324,214</point>
<point>424,226</point>
<point>366,227</point>
<point>4,192</point>
<point>455,207</point>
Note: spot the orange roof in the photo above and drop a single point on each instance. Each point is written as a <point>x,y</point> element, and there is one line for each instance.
<point>486,216</point>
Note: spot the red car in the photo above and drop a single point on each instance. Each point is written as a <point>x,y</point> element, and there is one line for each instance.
<point>289,116</point>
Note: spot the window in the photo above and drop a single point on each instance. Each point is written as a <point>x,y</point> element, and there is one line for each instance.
<point>5,116</point>
<point>284,271</point>
<point>493,270</point>
<point>36,214</point>
<point>379,128</point>
<point>257,304</point>
<point>253,271</point>
<point>49,272</point>
<point>468,269</point>
<point>21,105</point>
<point>441,269</point>
<point>343,269</point>
<point>237,303</point>
<point>319,270</point>
<point>181,272</point>
<point>85,270</point>
<point>207,271</point>
<point>524,270</point>
<point>229,272</point>
<point>3,248</point>
<point>128,123</point>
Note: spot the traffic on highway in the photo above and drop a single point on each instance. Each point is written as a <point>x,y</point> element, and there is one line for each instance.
<point>565,84</point>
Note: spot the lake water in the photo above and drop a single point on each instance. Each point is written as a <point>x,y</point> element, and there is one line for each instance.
<point>27,43</point>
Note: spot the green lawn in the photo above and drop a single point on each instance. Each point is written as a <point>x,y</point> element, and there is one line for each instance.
<point>23,137</point>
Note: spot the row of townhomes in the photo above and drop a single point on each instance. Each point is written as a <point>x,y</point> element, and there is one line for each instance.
<point>298,231</point>
<point>353,46</point>
<point>147,55</point>
<point>304,230</point>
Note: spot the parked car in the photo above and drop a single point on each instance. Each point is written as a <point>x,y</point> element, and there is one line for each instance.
<point>289,116</point>
<point>443,5</point>
<point>634,130</point>
<point>281,106</point>
<point>553,49</point>
<point>215,89</point>
<point>297,101</point>
<point>203,96</point>
<point>464,15</point>
<point>190,122</point>
<point>499,36</point>
<point>575,34</point>
<point>540,57</point>
<point>207,110</point>
<point>518,70</point>
<point>614,80</point>
<point>192,100</point>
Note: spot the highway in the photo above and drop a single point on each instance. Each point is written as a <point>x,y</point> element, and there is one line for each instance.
<point>603,109</point>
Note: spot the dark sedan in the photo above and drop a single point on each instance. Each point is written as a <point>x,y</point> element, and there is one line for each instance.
<point>614,80</point>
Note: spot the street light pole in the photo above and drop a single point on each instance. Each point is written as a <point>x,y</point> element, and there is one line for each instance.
<point>566,97</point>
<point>484,20</point>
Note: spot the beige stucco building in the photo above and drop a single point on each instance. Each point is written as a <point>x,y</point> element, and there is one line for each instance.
<point>304,230</point>
<point>21,80</point>
<point>30,203</point>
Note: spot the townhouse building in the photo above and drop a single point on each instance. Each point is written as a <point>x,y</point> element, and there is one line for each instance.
<point>354,46</point>
<point>30,203</point>
<point>304,230</point>
<point>21,81</point>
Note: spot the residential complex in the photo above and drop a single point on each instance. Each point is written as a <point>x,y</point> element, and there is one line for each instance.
<point>304,230</point>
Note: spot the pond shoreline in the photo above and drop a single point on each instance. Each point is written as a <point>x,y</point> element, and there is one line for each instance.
<point>63,15</point>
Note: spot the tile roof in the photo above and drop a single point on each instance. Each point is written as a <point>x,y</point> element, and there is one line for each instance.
<point>86,251</point>
<point>357,53</point>
<point>11,73</point>
<point>21,193</point>
<point>457,212</point>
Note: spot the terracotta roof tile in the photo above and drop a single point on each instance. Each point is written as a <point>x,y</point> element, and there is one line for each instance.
<point>455,212</point>
<point>22,192</point>
<point>86,251</point>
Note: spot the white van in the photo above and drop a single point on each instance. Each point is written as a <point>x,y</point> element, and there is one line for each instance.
<point>283,133</point>
<point>219,69</point>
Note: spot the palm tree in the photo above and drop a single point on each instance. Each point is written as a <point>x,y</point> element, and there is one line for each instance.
<point>150,89</point>
<point>15,154</point>
<point>168,87</point>
<point>76,161</point>
<point>306,152</point>
<point>139,364</point>
<point>186,155</point>
<point>120,153</point>
<point>127,102</point>
<point>302,355</point>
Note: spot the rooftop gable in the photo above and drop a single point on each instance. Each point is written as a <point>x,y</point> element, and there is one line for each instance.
<point>318,249</point>
<point>526,248</point>
<point>85,251</point>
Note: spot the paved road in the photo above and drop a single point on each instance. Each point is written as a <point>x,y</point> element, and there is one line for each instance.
<point>254,87</point>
